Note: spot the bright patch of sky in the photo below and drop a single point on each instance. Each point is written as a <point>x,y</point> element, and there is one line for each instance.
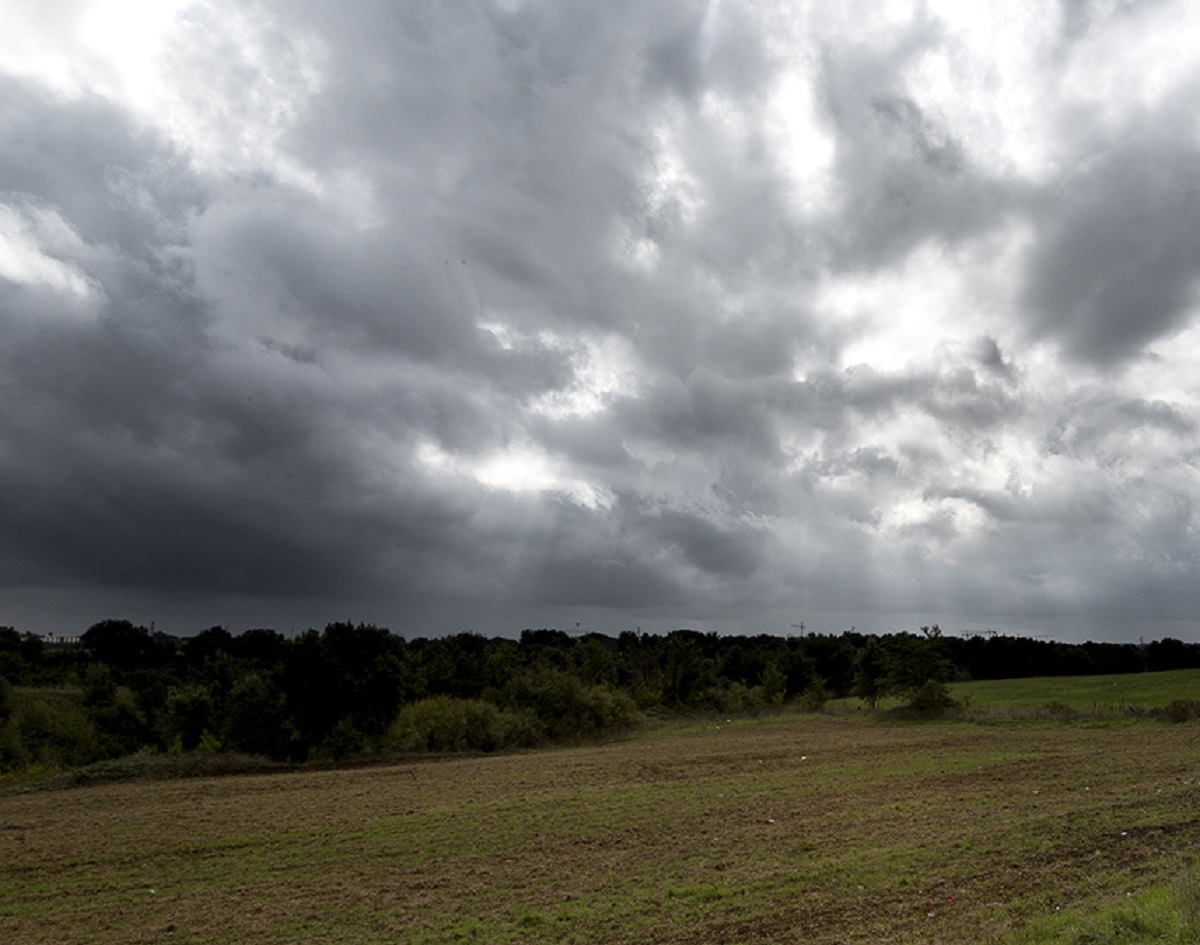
<point>518,468</point>
<point>29,240</point>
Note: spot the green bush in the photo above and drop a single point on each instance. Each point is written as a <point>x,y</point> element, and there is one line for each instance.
<point>343,741</point>
<point>567,708</point>
<point>443,723</point>
<point>48,731</point>
<point>190,712</point>
<point>931,698</point>
<point>815,695</point>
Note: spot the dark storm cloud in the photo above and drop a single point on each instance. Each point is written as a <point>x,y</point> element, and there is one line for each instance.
<point>139,457</point>
<point>473,315</point>
<point>1119,253</point>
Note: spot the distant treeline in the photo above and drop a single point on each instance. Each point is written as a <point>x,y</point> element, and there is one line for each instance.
<point>357,689</point>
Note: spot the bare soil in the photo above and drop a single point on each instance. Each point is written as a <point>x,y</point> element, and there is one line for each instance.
<point>792,829</point>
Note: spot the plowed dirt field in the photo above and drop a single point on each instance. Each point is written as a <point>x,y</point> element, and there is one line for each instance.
<point>791,829</point>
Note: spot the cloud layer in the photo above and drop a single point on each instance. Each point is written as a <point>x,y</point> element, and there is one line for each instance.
<point>486,315</point>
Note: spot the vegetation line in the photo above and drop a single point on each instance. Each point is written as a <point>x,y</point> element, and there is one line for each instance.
<point>358,691</point>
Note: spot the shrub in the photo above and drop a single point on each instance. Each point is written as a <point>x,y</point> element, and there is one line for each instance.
<point>52,733</point>
<point>566,707</point>
<point>774,685</point>
<point>443,723</point>
<point>931,698</point>
<point>815,695</point>
<point>343,741</point>
<point>190,712</point>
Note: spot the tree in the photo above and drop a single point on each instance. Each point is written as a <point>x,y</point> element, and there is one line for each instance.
<point>917,670</point>
<point>833,660</point>
<point>204,645</point>
<point>6,700</point>
<point>123,646</point>
<point>261,648</point>
<point>12,661</point>
<point>684,668</point>
<point>350,673</point>
<point>870,673</point>
<point>594,664</point>
<point>255,719</point>
<point>774,684</point>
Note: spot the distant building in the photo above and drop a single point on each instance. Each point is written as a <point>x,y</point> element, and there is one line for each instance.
<point>53,639</point>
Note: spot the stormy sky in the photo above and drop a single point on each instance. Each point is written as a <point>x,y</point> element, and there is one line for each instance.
<point>478,315</point>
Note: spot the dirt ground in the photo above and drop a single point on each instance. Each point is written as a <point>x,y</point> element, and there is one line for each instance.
<point>791,829</point>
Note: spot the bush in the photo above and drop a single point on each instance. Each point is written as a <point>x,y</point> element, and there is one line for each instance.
<point>443,723</point>
<point>567,708</point>
<point>815,695</point>
<point>343,741</point>
<point>53,733</point>
<point>190,713</point>
<point>932,698</point>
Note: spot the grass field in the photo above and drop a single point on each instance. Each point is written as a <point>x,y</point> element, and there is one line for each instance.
<point>794,828</point>
<point>1093,695</point>
<point>1097,697</point>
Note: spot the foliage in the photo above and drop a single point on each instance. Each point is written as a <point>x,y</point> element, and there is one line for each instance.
<point>870,674</point>
<point>50,730</point>
<point>6,699</point>
<point>917,671</point>
<point>567,708</point>
<point>338,692</point>
<point>444,723</point>
<point>816,695</point>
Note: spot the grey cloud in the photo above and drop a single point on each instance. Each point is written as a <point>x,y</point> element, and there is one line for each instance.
<point>1117,260</point>
<point>722,550</point>
<point>622,580</point>
<point>1101,426</point>
<point>704,411</point>
<point>116,184</point>
<point>674,63</point>
<point>903,177</point>
<point>999,506</point>
<point>961,396</point>
<point>283,379</point>
<point>992,358</point>
<point>1081,18</point>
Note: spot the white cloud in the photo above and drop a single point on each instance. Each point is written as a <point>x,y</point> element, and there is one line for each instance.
<point>33,241</point>
<point>220,80</point>
<point>518,468</point>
